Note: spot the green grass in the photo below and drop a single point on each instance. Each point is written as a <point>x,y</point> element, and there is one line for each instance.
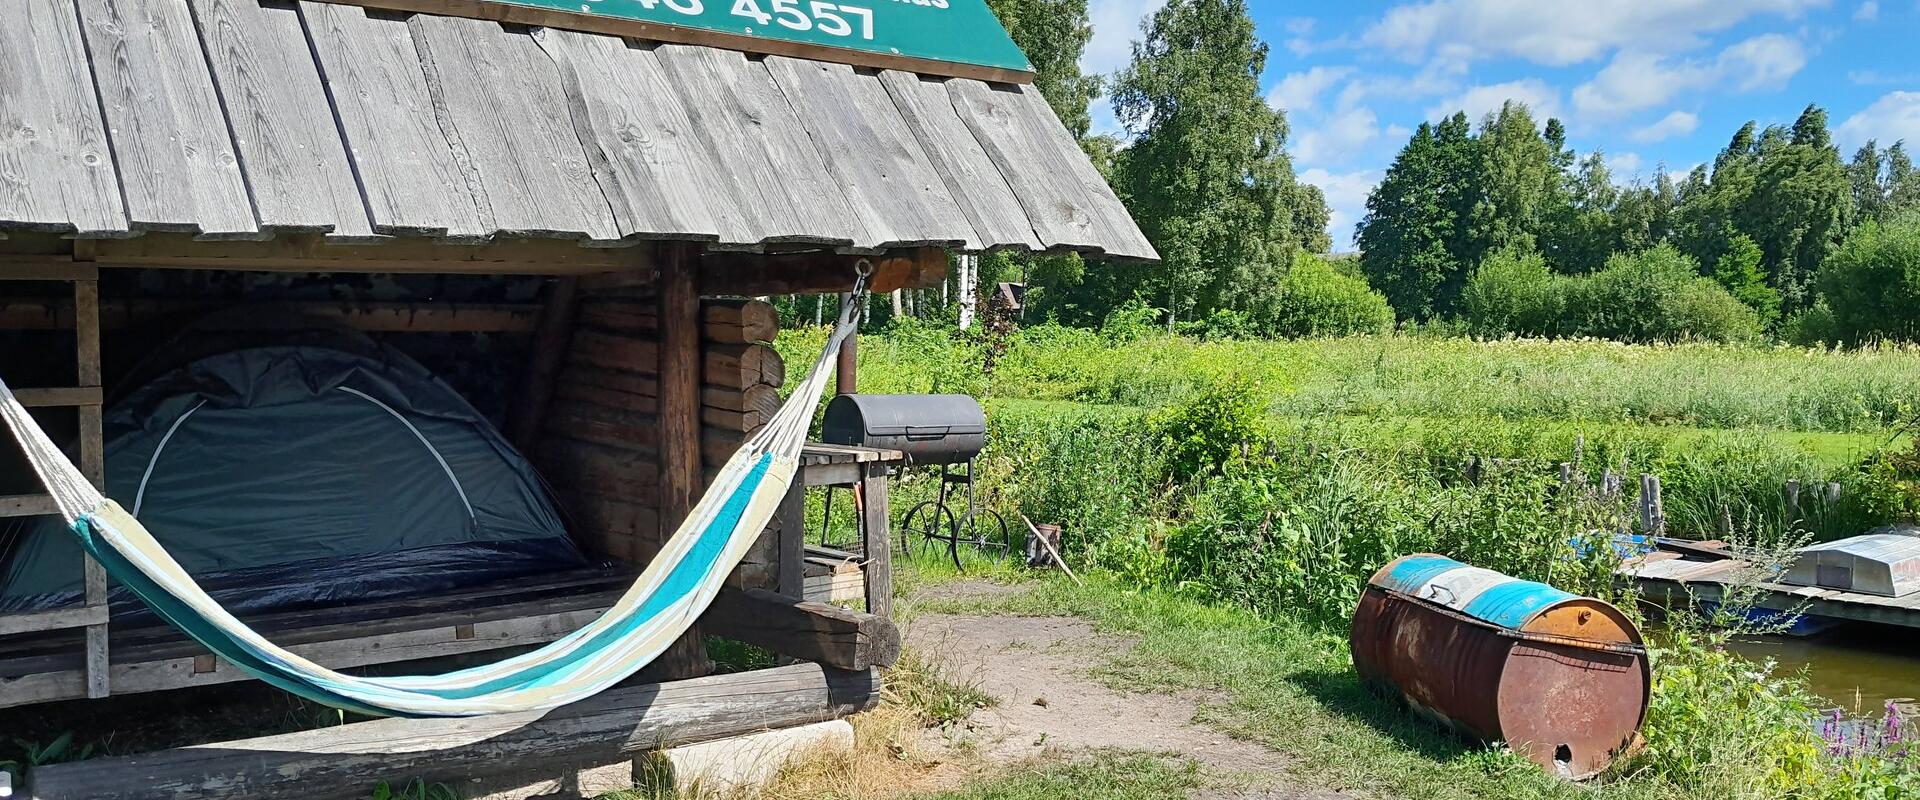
<point>1102,776</point>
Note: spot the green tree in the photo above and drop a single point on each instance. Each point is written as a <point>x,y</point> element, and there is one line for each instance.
<point>1053,34</point>
<point>1739,270</point>
<point>1800,205</point>
<point>1409,224</point>
<point>1872,282</point>
<point>1207,173</point>
<point>1518,178</point>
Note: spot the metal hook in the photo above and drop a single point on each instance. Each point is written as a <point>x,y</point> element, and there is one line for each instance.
<point>863,268</point>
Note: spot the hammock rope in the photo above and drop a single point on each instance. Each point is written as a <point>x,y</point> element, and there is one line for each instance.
<point>667,598</point>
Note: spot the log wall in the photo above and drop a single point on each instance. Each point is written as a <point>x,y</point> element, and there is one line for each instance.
<point>601,435</point>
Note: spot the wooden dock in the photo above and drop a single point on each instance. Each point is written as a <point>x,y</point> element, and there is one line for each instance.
<point>1667,577</point>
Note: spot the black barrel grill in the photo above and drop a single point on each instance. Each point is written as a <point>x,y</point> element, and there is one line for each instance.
<point>943,430</point>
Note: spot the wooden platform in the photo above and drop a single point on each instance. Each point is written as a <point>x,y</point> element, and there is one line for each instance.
<point>1667,578</point>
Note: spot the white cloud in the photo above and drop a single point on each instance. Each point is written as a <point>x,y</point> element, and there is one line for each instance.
<point>1479,101</point>
<point>1678,123</point>
<point>1635,80</point>
<point>1116,24</point>
<point>1300,90</point>
<point>1867,12</point>
<point>1342,135</point>
<point>1893,117</point>
<point>1559,34</point>
<point>1624,166</point>
<point>1346,194</point>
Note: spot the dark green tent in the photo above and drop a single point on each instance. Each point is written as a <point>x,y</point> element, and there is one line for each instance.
<point>302,469</point>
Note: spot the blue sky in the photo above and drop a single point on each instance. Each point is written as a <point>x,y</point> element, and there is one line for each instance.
<point>1649,82</point>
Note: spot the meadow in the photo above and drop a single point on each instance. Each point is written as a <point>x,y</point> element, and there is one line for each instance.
<point>1272,477</point>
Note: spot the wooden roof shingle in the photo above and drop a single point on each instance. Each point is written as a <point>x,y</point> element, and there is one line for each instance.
<point>249,119</point>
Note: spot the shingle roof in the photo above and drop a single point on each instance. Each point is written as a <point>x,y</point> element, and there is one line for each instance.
<point>245,119</point>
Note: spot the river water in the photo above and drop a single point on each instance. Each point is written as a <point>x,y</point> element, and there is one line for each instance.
<point>1858,667</point>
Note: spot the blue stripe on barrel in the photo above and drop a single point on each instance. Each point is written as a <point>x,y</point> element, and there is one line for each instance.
<point>1409,574</point>
<point>1508,604</point>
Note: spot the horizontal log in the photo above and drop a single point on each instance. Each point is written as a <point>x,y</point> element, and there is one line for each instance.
<point>725,321</point>
<point>645,404</point>
<point>631,430</point>
<point>57,315</point>
<point>27,505</point>
<point>314,253</point>
<point>816,632</point>
<point>51,620</point>
<point>758,397</point>
<point>64,397</point>
<point>731,365</point>
<point>347,761</point>
<point>51,268</point>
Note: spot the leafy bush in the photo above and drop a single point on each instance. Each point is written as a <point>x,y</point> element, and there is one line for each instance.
<point>1872,282</point>
<point>1200,436</point>
<point>1130,320</point>
<point>1314,299</point>
<point>1814,326</point>
<point>1655,295</point>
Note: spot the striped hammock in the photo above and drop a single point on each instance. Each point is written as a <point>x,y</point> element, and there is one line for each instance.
<point>662,604</point>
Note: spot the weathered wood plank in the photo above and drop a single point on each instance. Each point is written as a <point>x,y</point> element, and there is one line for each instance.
<point>680,434</point>
<point>543,368</point>
<point>346,761</point>
<point>730,365</point>
<point>177,165</point>
<point>723,321</point>
<point>43,315</point>
<point>888,181</point>
<point>65,397</point>
<point>876,530</point>
<point>816,632</point>
<point>759,397</point>
<point>973,181</point>
<point>27,505</point>
<point>1070,205</point>
<point>379,95</point>
<point>748,128</point>
<point>639,142</point>
<point>311,253</point>
<point>51,620</point>
<point>296,166</point>
<point>498,98</point>
<point>56,171</point>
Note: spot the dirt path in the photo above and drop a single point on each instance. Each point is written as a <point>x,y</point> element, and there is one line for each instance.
<point>1034,667</point>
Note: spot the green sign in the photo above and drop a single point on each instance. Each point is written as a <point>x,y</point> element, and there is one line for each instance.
<point>955,31</point>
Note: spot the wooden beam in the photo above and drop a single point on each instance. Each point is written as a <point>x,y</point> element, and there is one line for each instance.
<point>61,397</point>
<point>313,253</point>
<point>819,272</point>
<point>52,620</point>
<point>876,528</point>
<point>736,366</point>
<point>817,632</point>
<point>27,505</point>
<point>723,321</point>
<point>93,462</point>
<point>679,420</point>
<point>345,762</point>
<point>49,315</point>
<point>48,268</point>
<point>543,370</point>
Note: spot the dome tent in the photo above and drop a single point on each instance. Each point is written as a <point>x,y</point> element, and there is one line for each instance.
<point>303,468</point>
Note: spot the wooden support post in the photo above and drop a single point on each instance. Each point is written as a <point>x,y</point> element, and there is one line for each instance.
<point>846,378</point>
<point>680,474</point>
<point>818,632</point>
<point>792,551</point>
<point>550,342</point>
<point>876,525</point>
<point>93,462</point>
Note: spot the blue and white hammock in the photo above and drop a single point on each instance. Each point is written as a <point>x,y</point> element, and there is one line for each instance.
<point>662,604</point>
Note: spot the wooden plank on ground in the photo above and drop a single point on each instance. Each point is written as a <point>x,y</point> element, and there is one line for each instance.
<point>379,94</point>
<point>346,761</point>
<point>749,129</point>
<point>500,104</point>
<point>62,177</point>
<point>858,132</point>
<point>1070,206</point>
<point>972,179</point>
<point>296,165</point>
<point>639,142</point>
<point>178,168</point>
<point>817,632</point>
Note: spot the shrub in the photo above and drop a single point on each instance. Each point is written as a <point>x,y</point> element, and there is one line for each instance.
<point>1814,326</point>
<point>1513,291</point>
<point>1314,299</point>
<point>1200,436</point>
<point>1872,282</point>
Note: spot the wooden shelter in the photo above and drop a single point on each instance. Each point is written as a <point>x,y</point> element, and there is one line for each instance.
<point>627,193</point>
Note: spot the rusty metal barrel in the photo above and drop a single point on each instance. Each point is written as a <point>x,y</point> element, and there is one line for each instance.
<point>1562,679</point>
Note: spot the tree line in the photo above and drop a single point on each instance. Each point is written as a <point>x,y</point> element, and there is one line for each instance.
<point>1499,226</point>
